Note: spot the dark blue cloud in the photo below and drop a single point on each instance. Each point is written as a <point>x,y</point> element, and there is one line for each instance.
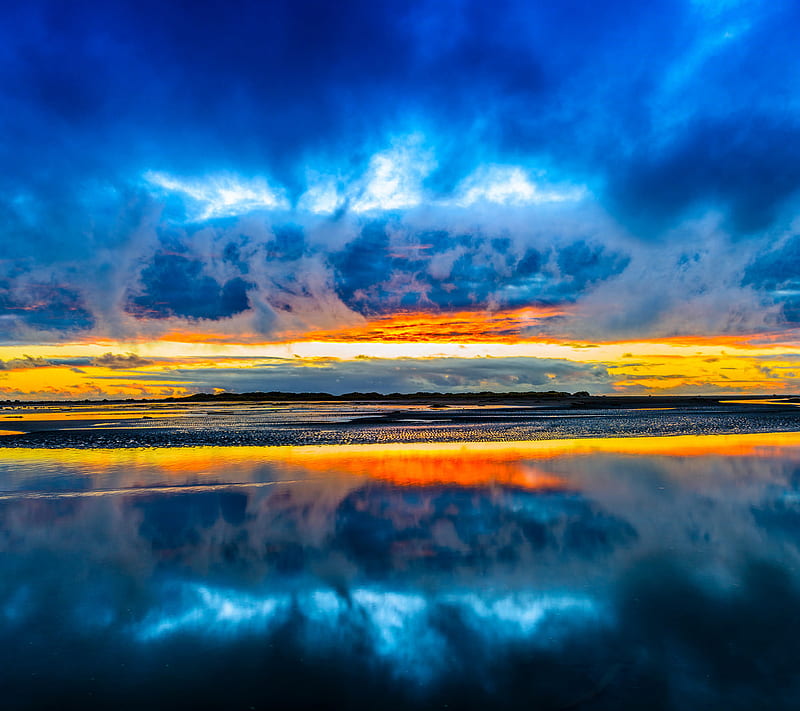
<point>748,165</point>
<point>47,307</point>
<point>583,264</point>
<point>777,272</point>
<point>363,266</point>
<point>374,274</point>
<point>175,286</point>
<point>776,269</point>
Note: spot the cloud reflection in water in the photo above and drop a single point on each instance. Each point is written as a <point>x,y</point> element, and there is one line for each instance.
<point>609,573</point>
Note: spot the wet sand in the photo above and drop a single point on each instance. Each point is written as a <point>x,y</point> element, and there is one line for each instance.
<point>98,425</point>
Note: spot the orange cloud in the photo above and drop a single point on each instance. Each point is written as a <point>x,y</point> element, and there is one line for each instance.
<point>475,326</point>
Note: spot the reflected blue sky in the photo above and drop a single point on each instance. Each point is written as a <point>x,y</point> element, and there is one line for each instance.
<point>657,572</point>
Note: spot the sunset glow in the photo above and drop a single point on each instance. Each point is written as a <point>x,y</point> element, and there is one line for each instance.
<point>471,225</point>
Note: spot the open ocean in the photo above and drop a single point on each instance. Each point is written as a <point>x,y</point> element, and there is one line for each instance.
<point>399,556</point>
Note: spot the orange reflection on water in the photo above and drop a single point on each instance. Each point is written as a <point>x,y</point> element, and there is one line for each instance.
<point>415,466</point>
<point>758,444</point>
<point>758,401</point>
<point>404,465</point>
<point>460,464</point>
<point>69,414</point>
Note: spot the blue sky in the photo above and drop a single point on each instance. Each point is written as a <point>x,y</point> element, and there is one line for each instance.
<point>269,168</point>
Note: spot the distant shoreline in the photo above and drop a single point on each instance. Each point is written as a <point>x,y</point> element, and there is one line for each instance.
<point>579,399</point>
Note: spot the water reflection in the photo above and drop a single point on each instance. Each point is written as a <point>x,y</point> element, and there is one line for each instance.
<point>608,573</point>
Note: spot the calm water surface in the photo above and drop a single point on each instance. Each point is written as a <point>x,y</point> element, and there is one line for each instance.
<point>592,573</point>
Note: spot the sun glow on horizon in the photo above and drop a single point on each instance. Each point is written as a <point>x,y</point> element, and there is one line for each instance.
<point>163,368</point>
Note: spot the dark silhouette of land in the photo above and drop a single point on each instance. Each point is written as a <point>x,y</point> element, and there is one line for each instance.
<point>556,398</point>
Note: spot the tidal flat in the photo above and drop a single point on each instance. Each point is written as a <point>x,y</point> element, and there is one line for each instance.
<point>186,423</point>
<point>363,555</point>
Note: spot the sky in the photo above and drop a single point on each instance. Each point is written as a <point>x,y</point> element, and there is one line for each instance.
<point>399,196</point>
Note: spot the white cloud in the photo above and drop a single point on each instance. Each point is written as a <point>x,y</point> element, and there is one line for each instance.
<point>394,177</point>
<point>222,194</point>
<point>510,185</point>
<point>323,196</point>
<point>393,180</point>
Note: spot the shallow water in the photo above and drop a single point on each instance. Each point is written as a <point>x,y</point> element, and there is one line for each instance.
<point>646,572</point>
